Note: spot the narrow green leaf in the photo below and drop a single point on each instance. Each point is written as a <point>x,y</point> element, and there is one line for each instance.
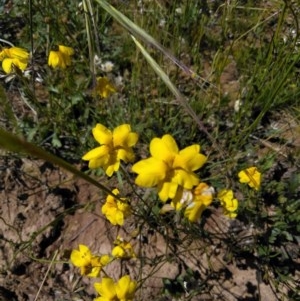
<point>144,36</point>
<point>179,97</point>
<point>12,143</point>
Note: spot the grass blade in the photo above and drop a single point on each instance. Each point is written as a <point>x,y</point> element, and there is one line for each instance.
<point>12,143</point>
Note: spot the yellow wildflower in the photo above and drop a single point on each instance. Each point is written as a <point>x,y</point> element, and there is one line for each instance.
<point>229,203</point>
<point>251,176</point>
<point>114,210</point>
<point>90,265</point>
<point>14,56</point>
<point>115,146</point>
<point>202,198</point>
<point>169,168</point>
<point>123,290</point>
<point>123,249</point>
<point>104,87</point>
<point>60,58</point>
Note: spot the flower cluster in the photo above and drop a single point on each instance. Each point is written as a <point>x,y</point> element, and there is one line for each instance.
<point>115,146</point>
<point>123,249</point>
<point>172,172</point>
<point>116,210</point>
<point>14,57</point>
<point>229,203</point>
<point>90,265</point>
<point>168,168</point>
<point>60,58</point>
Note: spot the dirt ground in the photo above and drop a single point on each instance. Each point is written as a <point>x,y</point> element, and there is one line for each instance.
<point>43,216</point>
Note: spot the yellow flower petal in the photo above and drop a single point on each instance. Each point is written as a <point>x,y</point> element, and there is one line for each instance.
<point>194,211</point>
<point>225,195</point>
<point>170,143</point>
<point>102,134</point>
<point>115,210</point>
<point>105,259</point>
<point>94,272</point>
<point>119,218</point>
<point>151,171</point>
<point>232,205</point>
<point>132,139</point>
<point>106,289</point>
<point>98,162</point>
<point>4,54</point>
<point>18,53</point>
<point>81,257</point>
<point>118,252</point>
<point>60,58</point>
<point>21,64</point>
<point>164,149</point>
<point>120,134</point>
<point>127,155</point>
<point>56,59</point>
<point>185,179</point>
<point>97,152</point>
<point>167,190</point>
<point>189,158</point>
<point>110,168</point>
<point>66,50</point>
<point>125,288</point>
<point>8,63</point>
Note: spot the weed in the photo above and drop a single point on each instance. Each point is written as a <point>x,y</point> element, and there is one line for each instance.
<point>215,74</point>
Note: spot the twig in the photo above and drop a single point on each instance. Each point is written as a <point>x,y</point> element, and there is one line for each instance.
<point>45,277</point>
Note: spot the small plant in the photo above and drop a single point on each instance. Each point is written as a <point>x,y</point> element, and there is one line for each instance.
<point>196,161</point>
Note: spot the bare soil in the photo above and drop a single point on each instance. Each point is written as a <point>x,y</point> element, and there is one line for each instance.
<point>45,213</point>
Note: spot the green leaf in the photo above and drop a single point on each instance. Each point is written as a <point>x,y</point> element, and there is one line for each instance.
<point>12,143</point>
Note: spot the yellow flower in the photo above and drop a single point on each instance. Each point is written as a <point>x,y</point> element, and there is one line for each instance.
<point>123,290</point>
<point>115,146</point>
<point>169,168</point>
<point>89,264</point>
<point>60,58</point>
<point>122,249</point>
<point>202,198</point>
<point>104,88</point>
<point>114,210</point>
<point>14,57</point>
<point>251,176</point>
<point>14,52</point>
<point>229,203</point>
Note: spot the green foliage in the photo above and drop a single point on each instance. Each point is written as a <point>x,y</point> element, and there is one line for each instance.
<point>220,74</point>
